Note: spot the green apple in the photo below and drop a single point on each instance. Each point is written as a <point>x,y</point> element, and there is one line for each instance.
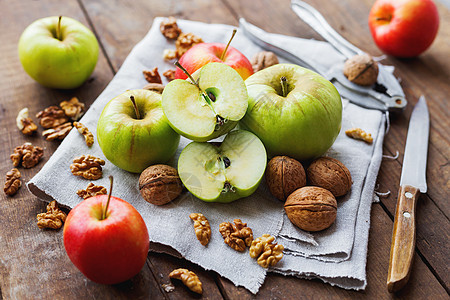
<point>58,52</point>
<point>223,173</point>
<point>293,110</point>
<point>133,131</point>
<point>207,105</point>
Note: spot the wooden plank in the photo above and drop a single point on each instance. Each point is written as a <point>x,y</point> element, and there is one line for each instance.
<point>422,284</point>
<point>33,263</point>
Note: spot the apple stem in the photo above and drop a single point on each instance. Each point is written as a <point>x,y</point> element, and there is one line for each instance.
<point>109,197</point>
<point>284,86</point>
<point>177,63</point>
<point>58,29</point>
<point>226,48</point>
<point>138,115</point>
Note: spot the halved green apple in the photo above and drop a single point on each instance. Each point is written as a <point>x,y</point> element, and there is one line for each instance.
<point>208,107</point>
<point>223,173</point>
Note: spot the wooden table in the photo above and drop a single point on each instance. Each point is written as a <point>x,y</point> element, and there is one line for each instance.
<point>33,263</point>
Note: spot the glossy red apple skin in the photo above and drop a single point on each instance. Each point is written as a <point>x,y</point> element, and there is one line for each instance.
<point>203,53</point>
<point>404,28</point>
<point>106,251</point>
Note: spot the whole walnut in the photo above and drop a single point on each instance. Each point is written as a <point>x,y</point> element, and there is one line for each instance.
<point>361,69</point>
<point>311,208</point>
<point>160,184</point>
<point>330,174</point>
<point>284,175</point>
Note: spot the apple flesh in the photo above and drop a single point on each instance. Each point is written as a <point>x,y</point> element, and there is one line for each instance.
<point>110,250</point>
<point>403,28</point>
<point>63,61</point>
<point>210,107</point>
<point>133,143</point>
<point>204,53</point>
<point>223,173</point>
<point>302,121</point>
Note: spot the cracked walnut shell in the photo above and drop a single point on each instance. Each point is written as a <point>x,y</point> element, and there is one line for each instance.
<point>311,208</point>
<point>265,251</point>
<point>283,176</point>
<point>88,167</point>
<point>51,117</point>
<point>238,236</point>
<point>188,278</point>
<point>160,184</point>
<point>361,69</point>
<point>53,218</point>
<point>12,182</point>
<point>202,228</point>
<point>330,174</point>
<point>27,154</point>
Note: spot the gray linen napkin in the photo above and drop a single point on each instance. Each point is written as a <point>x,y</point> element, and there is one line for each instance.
<point>307,255</point>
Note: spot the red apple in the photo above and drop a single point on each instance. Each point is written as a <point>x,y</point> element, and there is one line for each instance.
<point>404,28</point>
<point>204,53</point>
<point>106,249</point>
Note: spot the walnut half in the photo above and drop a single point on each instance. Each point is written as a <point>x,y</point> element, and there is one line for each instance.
<point>266,253</point>
<point>53,218</point>
<point>88,167</point>
<point>202,228</point>
<point>27,154</point>
<point>12,183</point>
<point>91,191</point>
<point>238,236</point>
<point>189,279</point>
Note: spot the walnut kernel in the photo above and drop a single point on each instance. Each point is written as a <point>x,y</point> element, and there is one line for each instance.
<point>58,132</point>
<point>185,41</point>
<point>169,54</point>
<point>238,236</point>
<point>73,108</point>
<point>311,208</point>
<point>88,167</point>
<point>152,76</point>
<point>27,154</point>
<point>265,251</point>
<point>12,182</point>
<point>51,117</point>
<point>284,175</point>
<point>361,69</point>
<point>169,28</point>
<point>53,218</point>
<point>188,278</point>
<point>25,123</point>
<point>263,59</point>
<point>202,228</point>
<point>88,136</point>
<point>91,191</point>
<point>359,134</point>
<point>160,184</point>
<point>330,174</point>
<point>169,74</point>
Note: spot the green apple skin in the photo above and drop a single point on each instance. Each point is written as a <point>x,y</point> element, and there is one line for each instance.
<point>302,125</point>
<point>134,144</point>
<point>54,63</point>
<point>203,172</point>
<point>189,114</point>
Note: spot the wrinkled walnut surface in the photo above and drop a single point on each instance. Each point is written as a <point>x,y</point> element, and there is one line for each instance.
<point>263,59</point>
<point>51,117</point>
<point>265,251</point>
<point>331,174</point>
<point>361,69</point>
<point>25,123</point>
<point>169,74</point>
<point>311,208</point>
<point>58,132</point>
<point>91,191</point>
<point>185,41</point>
<point>73,108</point>
<point>53,218</point>
<point>238,236</point>
<point>359,134</point>
<point>152,76</point>
<point>160,184</point>
<point>88,136</point>
<point>12,182</point>
<point>88,167</point>
<point>202,228</point>
<point>27,154</point>
<point>284,175</point>
<point>188,278</point>
<point>169,28</point>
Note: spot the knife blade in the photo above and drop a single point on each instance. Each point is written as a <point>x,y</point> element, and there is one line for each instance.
<point>413,180</point>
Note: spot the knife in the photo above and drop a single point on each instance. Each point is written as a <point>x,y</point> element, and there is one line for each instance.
<point>381,101</point>
<point>412,181</point>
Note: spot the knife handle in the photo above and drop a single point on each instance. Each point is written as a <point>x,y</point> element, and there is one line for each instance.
<point>403,238</point>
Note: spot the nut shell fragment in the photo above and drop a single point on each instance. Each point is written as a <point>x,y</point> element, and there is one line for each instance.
<point>160,184</point>
<point>329,173</point>
<point>361,69</point>
<point>188,278</point>
<point>284,175</point>
<point>311,208</point>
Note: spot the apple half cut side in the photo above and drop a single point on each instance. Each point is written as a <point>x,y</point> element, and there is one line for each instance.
<point>223,173</point>
<point>208,108</point>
